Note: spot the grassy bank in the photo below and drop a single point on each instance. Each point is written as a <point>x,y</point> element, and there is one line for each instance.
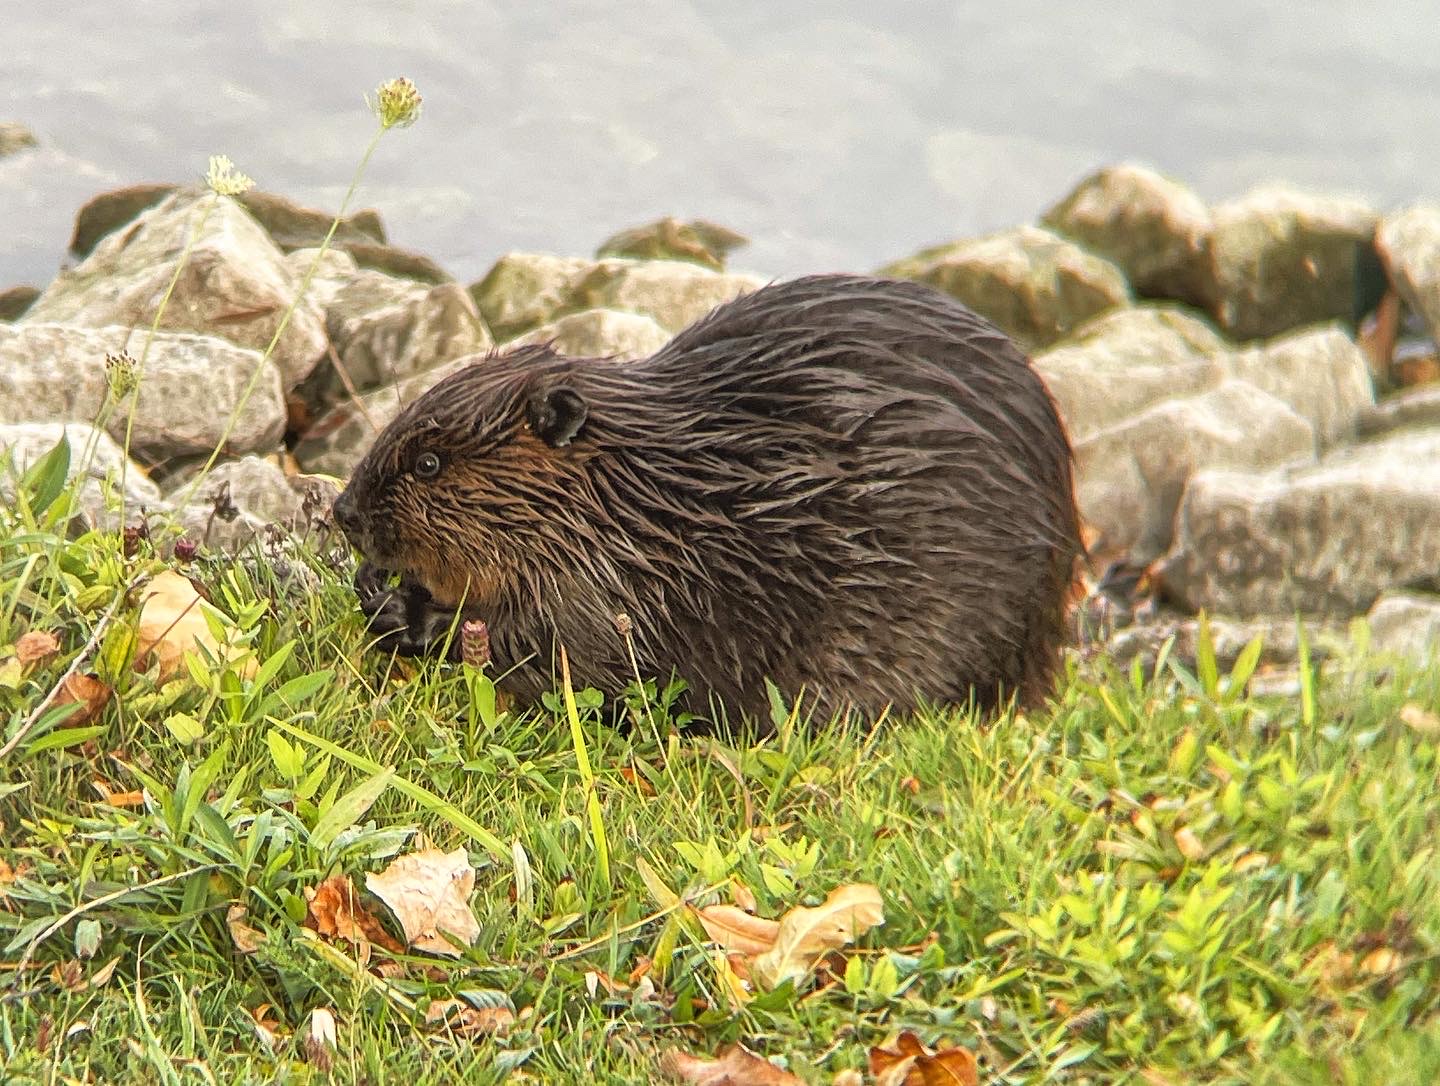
<point>1164,880</point>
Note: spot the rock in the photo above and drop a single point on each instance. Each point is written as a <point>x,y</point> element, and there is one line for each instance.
<point>1319,372</point>
<point>420,328</point>
<point>14,301</point>
<point>1325,538</point>
<point>335,444</point>
<point>1130,477</point>
<point>252,483</point>
<point>1127,359</point>
<point>22,444</point>
<point>107,212</point>
<point>1409,245</point>
<point>191,384</point>
<point>1406,625</point>
<point>1035,285</point>
<point>1279,634</point>
<point>697,242</point>
<point>235,283</point>
<point>671,293</point>
<point>1418,406</point>
<point>15,137</point>
<point>393,260</point>
<point>293,226</point>
<point>1281,259</point>
<point>1153,228</point>
<point>600,333</point>
<point>524,290</point>
<point>336,270</point>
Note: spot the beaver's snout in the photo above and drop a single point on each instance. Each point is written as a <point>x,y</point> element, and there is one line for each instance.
<point>348,516</point>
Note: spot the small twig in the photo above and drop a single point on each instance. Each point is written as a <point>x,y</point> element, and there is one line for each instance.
<point>70,672</point>
<point>103,899</point>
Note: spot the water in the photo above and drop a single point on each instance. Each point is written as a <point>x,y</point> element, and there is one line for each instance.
<point>838,136</point>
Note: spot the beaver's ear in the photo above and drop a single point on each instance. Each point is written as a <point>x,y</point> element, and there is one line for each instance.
<point>556,415</point>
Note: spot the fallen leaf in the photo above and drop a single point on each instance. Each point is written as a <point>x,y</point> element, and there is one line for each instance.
<point>89,692</point>
<point>742,896</point>
<point>321,1039</point>
<point>1189,843</point>
<point>805,935</point>
<point>333,909</point>
<point>1420,720</point>
<point>247,940</point>
<point>112,798</point>
<point>735,929</point>
<point>36,647</point>
<point>464,1020</point>
<point>172,623</point>
<point>910,1063</point>
<point>734,1065</point>
<point>1380,961</point>
<point>429,893</point>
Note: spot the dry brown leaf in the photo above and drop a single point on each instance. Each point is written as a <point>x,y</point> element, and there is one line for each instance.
<point>429,893</point>
<point>805,935</point>
<point>334,909</point>
<point>89,692</point>
<point>247,939</point>
<point>1420,720</point>
<point>172,624</point>
<point>1380,961</point>
<point>112,798</point>
<point>1189,843</point>
<point>742,896</point>
<point>734,1065</point>
<point>910,1063</point>
<point>36,647</point>
<point>464,1020</point>
<point>735,929</point>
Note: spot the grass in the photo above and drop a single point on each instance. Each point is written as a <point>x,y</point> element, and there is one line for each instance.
<point>1157,879</point>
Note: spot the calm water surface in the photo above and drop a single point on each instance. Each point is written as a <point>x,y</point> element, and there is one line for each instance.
<point>836,135</point>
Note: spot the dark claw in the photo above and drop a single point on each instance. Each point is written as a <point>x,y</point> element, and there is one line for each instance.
<point>405,618</point>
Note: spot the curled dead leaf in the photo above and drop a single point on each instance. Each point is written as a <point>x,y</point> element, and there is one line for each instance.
<point>36,647</point>
<point>247,939</point>
<point>464,1020</point>
<point>908,1062</point>
<point>1189,843</point>
<point>429,893</point>
<point>89,692</point>
<point>805,935</point>
<point>172,623</point>
<point>334,910</point>
<point>734,1065</point>
<point>736,930</point>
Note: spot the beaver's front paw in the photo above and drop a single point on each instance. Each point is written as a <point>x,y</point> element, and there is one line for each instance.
<point>404,617</point>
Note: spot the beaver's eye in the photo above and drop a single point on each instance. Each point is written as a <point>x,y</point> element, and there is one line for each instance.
<point>427,465</point>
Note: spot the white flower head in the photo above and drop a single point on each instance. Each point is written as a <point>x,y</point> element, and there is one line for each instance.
<point>223,178</point>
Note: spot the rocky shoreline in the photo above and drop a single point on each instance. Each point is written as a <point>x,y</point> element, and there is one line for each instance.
<point>1252,388</point>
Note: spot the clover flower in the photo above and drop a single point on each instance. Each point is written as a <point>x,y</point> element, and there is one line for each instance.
<point>397,103</point>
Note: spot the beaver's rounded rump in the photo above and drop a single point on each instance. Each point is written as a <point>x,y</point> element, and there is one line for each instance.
<point>854,487</point>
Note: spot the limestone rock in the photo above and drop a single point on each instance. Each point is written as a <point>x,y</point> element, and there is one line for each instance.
<point>524,290</point>
<point>1281,259</point>
<point>1032,283</point>
<point>294,226</point>
<point>14,301</point>
<point>600,333</point>
<point>1130,476</point>
<point>22,444</point>
<point>670,293</point>
<point>234,284</point>
<point>697,242</point>
<point>393,260</point>
<point>1126,360</point>
<point>1407,625</point>
<point>1409,244</point>
<point>15,138</point>
<point>190,386</point>
<point>103,214</point>
<point>1418,406</point>
<point>1326,538</point>
<point>1153,228</point>
<point>1319,372</point>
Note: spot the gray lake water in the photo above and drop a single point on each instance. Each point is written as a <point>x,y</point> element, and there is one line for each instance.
<point>837,135</point>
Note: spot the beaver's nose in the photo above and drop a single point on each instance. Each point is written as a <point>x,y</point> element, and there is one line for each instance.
<point>346,515</point>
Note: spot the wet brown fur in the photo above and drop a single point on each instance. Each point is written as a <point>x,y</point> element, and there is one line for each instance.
<point>849,485</point>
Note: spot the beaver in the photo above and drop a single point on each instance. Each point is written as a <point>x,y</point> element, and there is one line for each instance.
<point>853,487</point>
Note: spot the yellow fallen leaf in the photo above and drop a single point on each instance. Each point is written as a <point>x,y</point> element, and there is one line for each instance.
<point>734,1065</point>
<point>806,935</point>
<point>429,893</point>
<point>172,624</point>
<point>735,929</point>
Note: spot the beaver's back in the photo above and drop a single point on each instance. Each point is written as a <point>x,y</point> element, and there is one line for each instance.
<point>851,485</point>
